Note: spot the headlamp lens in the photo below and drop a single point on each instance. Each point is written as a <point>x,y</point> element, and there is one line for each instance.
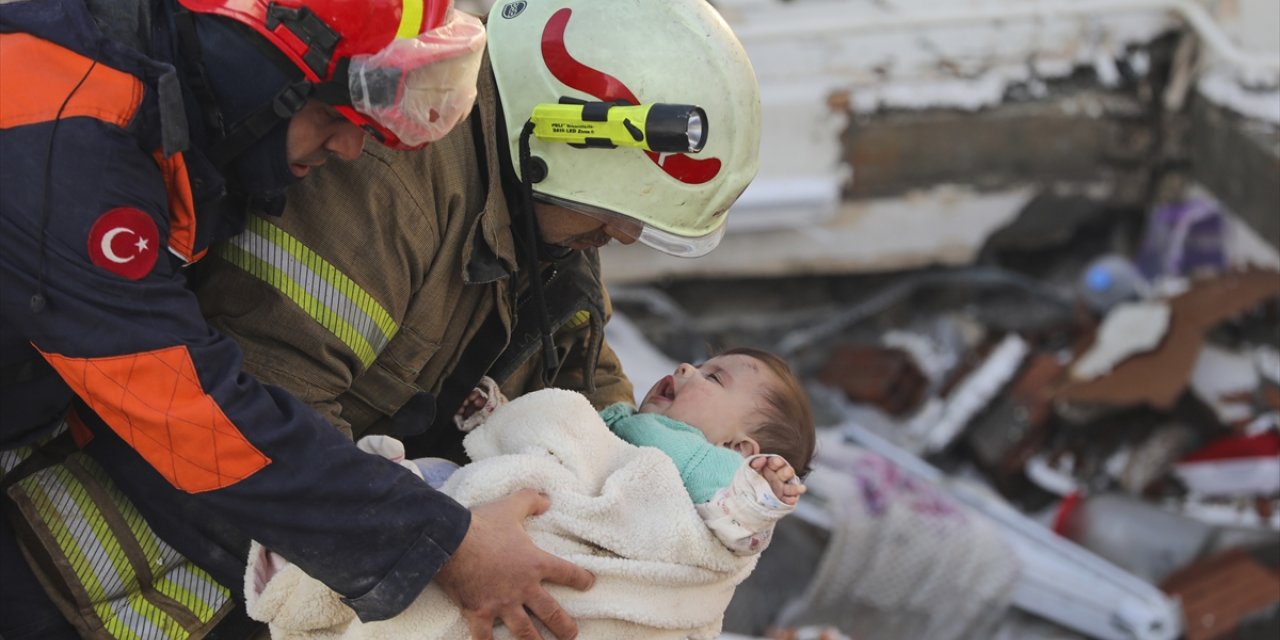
<point>697,132</point>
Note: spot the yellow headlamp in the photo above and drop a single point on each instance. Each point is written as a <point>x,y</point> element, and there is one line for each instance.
<point>661,127</point>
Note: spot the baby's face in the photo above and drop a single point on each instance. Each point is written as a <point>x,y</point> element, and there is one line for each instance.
<point>722,398</point>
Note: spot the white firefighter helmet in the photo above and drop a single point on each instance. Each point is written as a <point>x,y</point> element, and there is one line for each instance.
<point>678,54</point>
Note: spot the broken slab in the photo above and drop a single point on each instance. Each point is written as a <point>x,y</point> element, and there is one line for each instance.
<point>1157,378</point>
<point>1131,328</point>
<point>884,377</point>
<point>1219,591</point>
<point>1226,381</point>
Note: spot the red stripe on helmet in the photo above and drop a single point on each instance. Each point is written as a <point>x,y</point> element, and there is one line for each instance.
<point>607,88</point>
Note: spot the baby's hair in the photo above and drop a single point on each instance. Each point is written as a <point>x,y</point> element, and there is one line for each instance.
<point>786,428</point>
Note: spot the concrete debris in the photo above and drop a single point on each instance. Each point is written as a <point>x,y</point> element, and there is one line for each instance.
<point>1010,432</point>
<point>1157,378</point>
<point>1129,329</point>
<point>1151,459</point>
<point>1220,593</point>
<point>1056,475</point>
<point>886,378</point>
<point>1035,227</point>
<point>1234,465</point>
<point>1267,360</point>
<point>810,632</point>
<point>1133,404</point>
<point>1225,381</point>
<point>974,392</point>
<point>1250,516</point>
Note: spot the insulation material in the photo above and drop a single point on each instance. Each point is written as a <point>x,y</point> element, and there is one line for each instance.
<point>1130,329</point>
<point>976,391</point>
<point>1157,378</point>
<point>1225,381</point>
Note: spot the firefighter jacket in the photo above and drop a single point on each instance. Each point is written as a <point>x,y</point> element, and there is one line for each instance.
<point>393,280</point>
<point>98,214</point>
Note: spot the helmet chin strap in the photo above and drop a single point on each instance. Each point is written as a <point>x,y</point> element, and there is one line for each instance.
<point>231,139</point>
<point>531,238</point>
<point>247,131</point>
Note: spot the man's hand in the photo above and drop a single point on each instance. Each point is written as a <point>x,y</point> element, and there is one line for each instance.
<point>497,572</point>
<point>782,478</point>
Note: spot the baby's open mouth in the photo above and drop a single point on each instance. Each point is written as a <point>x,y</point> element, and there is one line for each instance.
<point>666,388</point>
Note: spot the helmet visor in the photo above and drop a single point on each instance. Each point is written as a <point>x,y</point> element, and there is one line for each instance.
<point>415,90</point>
<point>624,225</point>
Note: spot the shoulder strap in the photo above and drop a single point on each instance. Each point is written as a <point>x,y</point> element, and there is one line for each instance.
<point>42,457</point>
<point>486,355</point>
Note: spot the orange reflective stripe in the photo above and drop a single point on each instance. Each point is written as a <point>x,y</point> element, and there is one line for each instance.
<point>155,402</point>
<point>37,75</point>
<point>182,208</point>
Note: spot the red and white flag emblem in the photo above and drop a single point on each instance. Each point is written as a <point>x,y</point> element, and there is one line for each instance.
<point>125,242</point>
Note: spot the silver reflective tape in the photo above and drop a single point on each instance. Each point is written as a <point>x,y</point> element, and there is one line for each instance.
<point>315,285</point>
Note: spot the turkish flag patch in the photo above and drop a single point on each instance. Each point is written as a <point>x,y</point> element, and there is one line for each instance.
<point>125,242</point>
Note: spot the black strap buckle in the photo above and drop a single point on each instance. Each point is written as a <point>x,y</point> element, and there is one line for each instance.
<point>319,37</point>
<point>291,99</point>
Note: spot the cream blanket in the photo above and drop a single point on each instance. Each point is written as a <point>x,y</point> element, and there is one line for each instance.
<point>618,510</point>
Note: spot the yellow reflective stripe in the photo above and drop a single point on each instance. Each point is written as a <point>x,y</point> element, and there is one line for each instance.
<point>164,626</point>
<point>331,274</point>
<point>410,19</point>
<point>88,545</point>
<point>197,591</point>
<point>191,586</point>
<point>336,325</point>
<point>332,299</point>
<point>12,458</point>
<point>580,318</point>
<point>71,549</point>
<point>134,612</point>
<point>97,558</point>
<point>156,551</point>
<point>97,524</point>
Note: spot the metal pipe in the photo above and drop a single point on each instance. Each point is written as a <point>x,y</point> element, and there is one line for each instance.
<point>795,341</point>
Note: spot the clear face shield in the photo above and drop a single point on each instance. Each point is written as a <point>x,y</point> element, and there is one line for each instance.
<point>634,229</point>
<point>418,88</point>
<point>654,127</point>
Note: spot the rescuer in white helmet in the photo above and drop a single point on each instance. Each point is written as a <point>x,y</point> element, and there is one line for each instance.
<point>413,274</point>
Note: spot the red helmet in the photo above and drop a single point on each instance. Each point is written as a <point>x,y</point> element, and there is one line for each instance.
<point>403,70</point>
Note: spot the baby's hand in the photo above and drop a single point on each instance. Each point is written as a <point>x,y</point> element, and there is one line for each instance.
<point>782,478</point>
<point>474,402</point>
<point>480,403</point>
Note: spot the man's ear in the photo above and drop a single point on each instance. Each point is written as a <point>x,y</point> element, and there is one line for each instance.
<point>745,446</point>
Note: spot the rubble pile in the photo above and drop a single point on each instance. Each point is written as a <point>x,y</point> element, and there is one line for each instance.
<point>1117,418</point>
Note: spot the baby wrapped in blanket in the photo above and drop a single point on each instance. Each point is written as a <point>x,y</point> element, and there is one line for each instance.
<point>664,567</point>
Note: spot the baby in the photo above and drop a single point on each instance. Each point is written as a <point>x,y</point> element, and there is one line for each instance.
<point>737,428</point>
